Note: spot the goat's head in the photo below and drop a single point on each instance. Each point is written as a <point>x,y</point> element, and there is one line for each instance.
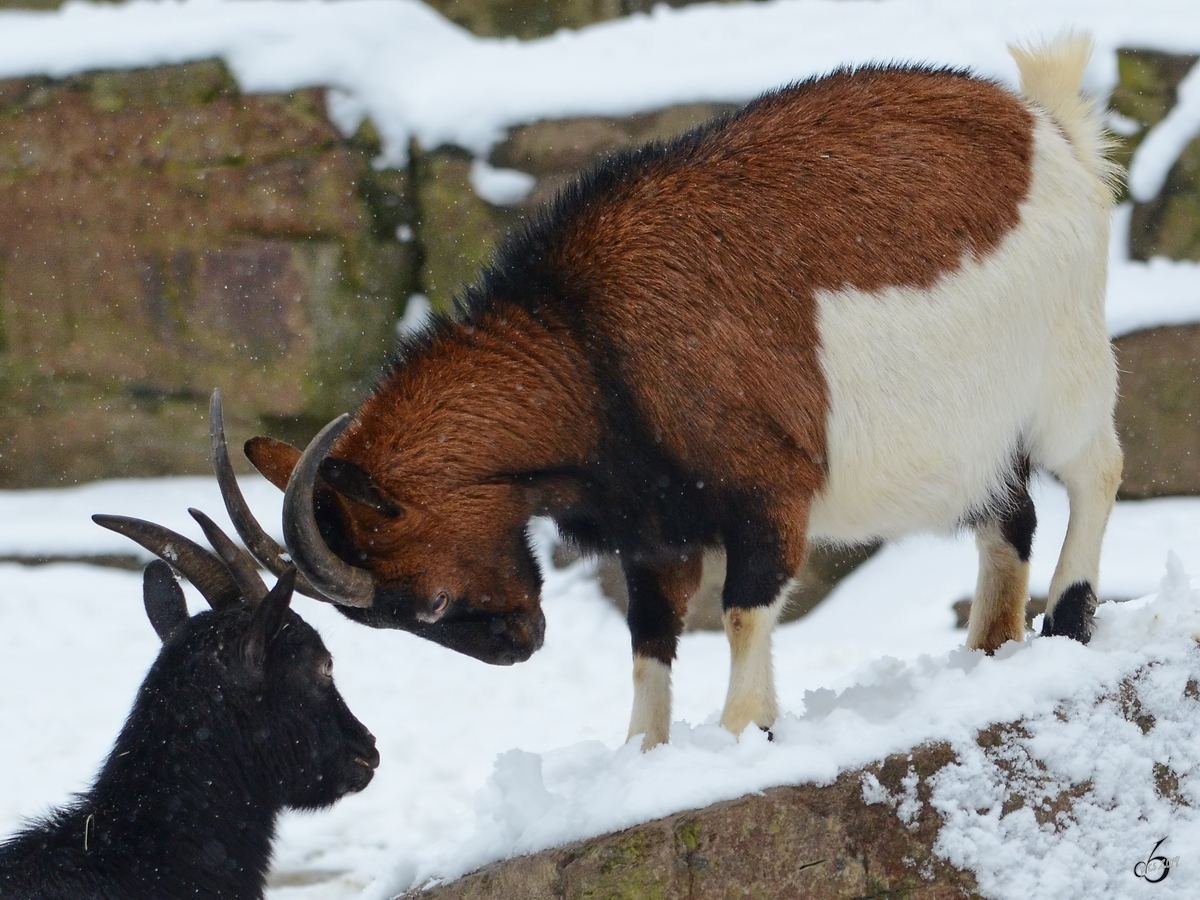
<point>459,573</point>
<point>250,671</point>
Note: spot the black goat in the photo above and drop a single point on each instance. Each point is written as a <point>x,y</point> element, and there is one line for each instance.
<point>237,720</point>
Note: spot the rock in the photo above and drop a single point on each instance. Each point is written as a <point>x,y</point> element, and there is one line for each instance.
<point>806,841</point>
<point>166,235</point>
<point>1158,413</point>
<point>457,230</point>
<point>1168,225</point>
<point>526,18</point>
<point>534,18</point>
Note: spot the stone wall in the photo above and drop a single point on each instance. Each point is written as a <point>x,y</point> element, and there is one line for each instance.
<point>163,234</point>
<point>1160,368</point>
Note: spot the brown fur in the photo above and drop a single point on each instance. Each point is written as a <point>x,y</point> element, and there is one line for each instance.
<point>669,301</point>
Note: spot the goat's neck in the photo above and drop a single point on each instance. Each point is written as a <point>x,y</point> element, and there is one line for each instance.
<point>193,819</point>
<point>513,395</point>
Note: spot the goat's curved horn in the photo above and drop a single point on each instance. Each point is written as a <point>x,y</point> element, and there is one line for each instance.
<point>339,581</point>
<point>264,548</point>
<point>236,560</point>
<point>201,568</point>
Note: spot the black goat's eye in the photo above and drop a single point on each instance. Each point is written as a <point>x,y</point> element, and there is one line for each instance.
<point>327,668</point>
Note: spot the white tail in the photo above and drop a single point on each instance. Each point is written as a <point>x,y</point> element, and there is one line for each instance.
<point>1051,76</point>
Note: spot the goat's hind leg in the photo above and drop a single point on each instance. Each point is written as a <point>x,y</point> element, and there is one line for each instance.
<point>658,597</point>
<point>1091,480</point>
<point>1004,539</point>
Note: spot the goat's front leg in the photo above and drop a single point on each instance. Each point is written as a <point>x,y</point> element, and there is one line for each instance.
<point>658,597</point>
<point>758,579</point>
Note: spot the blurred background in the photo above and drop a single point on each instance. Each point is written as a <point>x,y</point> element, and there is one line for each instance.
<point>163,232</point>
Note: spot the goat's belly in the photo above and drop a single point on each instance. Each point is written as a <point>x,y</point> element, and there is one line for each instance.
<point>929,393</point>
<point>923,428</point>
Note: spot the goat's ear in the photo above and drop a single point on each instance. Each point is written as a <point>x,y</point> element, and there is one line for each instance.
<point>355,483</point>
<point>163,598</point>
<point>266,620</point>
<point>273,459</point>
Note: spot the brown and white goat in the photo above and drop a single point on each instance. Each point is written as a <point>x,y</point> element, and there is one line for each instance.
<point>862,306</point>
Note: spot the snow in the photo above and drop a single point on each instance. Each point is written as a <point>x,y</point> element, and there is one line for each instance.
<point>480,763</point>
<point>415,73</point>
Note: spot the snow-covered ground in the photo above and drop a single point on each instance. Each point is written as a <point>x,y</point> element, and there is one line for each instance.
<point>479,762</point>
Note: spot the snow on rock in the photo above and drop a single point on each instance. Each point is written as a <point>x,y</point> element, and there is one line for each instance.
<point>1096,760</point>
<point>416,74</point>
<point>1162,147</point>
<point>481,763</point>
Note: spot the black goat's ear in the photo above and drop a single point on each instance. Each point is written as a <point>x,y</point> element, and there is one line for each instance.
<point>163,598</point>
<point>266,620</point>
<point>355,483</point>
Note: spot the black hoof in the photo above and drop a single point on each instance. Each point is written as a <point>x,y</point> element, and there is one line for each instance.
<point>1074,614</point>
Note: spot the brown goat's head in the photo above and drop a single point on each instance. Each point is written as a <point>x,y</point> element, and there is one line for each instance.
<point>456,569</point>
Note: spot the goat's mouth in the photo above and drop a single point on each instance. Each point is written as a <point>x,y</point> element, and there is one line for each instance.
<point>361,771</point>
<point>500,639</point>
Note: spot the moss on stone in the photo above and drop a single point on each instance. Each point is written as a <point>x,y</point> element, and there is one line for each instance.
<point>457,230</point>
<point>175,236</point>
<point>624,866</point>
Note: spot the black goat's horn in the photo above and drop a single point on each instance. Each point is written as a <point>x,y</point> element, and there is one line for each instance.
<point>236,560</point>
<point>264,548</point>
<point>339,581</point>
<point>201,568</point>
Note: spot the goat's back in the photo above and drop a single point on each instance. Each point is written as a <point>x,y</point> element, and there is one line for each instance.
<point>862,282</point>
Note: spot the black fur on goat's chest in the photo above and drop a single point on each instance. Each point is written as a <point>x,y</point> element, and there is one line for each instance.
<point>636,497</point>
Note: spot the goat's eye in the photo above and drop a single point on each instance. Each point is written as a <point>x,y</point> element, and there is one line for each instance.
<point>327,668</point>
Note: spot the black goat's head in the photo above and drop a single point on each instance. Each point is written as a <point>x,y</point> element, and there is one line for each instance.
<point>247,686</point>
